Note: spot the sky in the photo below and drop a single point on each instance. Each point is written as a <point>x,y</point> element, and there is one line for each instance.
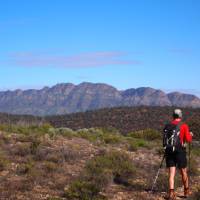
<point>124,43</point>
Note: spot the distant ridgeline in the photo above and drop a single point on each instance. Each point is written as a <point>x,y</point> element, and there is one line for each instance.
<point>69,98</point>
<point>124,119</point>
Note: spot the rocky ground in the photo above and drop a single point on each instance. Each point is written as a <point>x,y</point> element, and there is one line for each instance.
<point>42,167</point>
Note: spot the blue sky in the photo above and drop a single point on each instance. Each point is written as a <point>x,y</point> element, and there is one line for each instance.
<point>125,43</point>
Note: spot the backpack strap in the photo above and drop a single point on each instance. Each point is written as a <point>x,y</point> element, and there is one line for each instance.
<point>179,128</point>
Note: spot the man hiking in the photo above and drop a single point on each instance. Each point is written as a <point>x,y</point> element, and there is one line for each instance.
<point>175,136</point>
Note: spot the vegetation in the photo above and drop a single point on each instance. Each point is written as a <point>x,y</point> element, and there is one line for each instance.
<point>3,161</point>
<point>147,134</point>
<point>127,119</point>
<point>45,162</point>
<point>98,173</point>
<point>124,119</point>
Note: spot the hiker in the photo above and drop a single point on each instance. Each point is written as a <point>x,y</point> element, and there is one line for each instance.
<point>175,151</point>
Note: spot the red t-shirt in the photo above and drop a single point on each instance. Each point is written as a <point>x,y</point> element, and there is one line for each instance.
<point>185,135</point>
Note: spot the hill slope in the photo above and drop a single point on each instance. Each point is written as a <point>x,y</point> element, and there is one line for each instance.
<point>55,164</point>
<point>126,119</point>
<point>70,98</point>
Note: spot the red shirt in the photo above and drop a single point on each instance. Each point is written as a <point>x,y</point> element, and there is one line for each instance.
<point>185,135</point>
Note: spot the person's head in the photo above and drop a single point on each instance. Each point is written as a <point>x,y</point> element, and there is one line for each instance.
<point>177,114</point>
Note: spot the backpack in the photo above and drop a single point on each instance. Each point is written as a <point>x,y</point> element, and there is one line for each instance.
<point>171,138</point>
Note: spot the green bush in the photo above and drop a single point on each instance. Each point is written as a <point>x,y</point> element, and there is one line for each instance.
<point>98,173</point>
<point>65,132</point>
<point>26,130</point>
<point>134,144</point>
<point>147,134</point>
<point>101,135</point>
<point>112,139</point>
<point>88,134</point>
<point>83,190</point>
<point>118,162</point>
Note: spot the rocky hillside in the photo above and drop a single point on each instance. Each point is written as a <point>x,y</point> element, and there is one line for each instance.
<point>70,98</point>
<point>44,163</point>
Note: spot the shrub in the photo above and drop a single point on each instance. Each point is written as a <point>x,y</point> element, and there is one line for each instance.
<point>66,132</point>
<point>35,142</point>
<point>134,144</point>
<point>102,135</point>
<point>147,134</point>
<point>21,149</point>
<point>3,161</point>
<point>25,168</point>
<point>55,157</point>
<point>83,190</point>
<point>49,167</point>
<point>41,153</point>
<point>117,162</point>
<point>112,139</point>
<point>88,135</point>
<point>26,130</point>
<point>98,173</point>
<point>69,154</point>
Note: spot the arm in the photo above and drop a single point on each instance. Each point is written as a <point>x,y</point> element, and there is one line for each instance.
<point>187,137</point>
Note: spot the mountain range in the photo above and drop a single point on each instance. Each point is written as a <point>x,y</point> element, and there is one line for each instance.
<point>67,98</point>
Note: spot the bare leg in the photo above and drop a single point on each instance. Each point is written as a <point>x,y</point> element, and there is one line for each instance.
<point>185,181</point>
<point>172,172</point>
<point>184,175</point>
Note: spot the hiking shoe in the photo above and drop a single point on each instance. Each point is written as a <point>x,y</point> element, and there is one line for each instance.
<point>171,195</point>
<point>187,192</point>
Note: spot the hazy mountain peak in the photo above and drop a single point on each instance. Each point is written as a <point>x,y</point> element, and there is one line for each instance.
<point>68,98</point>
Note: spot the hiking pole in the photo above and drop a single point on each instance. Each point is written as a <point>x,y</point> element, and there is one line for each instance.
<point>189,159</point>
<point>158,172</point>
<point>189,156</point>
